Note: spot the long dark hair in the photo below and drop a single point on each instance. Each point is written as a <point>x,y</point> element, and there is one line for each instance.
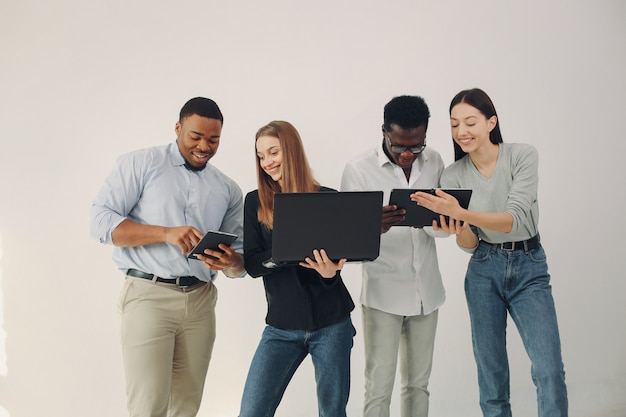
<point>478,99</point>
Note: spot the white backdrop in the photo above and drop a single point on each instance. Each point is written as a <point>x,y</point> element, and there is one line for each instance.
<point>83,81</point>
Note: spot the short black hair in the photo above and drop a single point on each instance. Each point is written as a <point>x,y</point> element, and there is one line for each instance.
<point>202,106</point>
<point>406,112</point>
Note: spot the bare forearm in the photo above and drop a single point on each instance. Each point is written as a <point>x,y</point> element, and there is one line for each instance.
<point>467,239</point>
<point>129,233</point>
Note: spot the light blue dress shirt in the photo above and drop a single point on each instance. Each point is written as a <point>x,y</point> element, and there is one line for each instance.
<point>153,186</point>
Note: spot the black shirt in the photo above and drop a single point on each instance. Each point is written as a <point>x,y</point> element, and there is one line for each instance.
<point>297,298</point>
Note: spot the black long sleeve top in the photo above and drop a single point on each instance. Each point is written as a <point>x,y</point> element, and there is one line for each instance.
<point>297,298</point>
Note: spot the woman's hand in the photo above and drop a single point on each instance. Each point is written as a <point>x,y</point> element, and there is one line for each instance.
<point>323,264</point>
<point>440,202</point>
<point>450,225</point>
<point>465,237</point>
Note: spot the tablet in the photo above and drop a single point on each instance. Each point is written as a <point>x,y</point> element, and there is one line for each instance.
<point>419,216</point>
<point>210,240</point>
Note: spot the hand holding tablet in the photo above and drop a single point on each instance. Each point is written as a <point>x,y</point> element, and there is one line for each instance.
<point>420,216</point>
<point>211,240</point>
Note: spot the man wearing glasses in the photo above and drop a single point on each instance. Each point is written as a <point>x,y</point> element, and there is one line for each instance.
<point>402,289</point>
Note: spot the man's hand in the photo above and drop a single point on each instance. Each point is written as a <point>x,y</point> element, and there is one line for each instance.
<point>185,237</point>
<point>392,215</point>
<point>132,234</point>
<point>226,260</point>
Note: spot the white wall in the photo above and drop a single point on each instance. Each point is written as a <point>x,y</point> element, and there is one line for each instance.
<point>81,82</point>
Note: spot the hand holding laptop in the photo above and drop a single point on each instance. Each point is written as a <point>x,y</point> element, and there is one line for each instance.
<point>323,264</point>
<point>345,224</point>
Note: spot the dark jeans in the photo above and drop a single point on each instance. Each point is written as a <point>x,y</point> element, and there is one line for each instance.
<point>281,352</point>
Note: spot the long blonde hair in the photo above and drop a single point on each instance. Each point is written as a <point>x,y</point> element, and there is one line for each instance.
<point>296,172</point>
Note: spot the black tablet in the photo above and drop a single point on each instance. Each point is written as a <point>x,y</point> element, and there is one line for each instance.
<point>210,241</point>
<point>419,216</point>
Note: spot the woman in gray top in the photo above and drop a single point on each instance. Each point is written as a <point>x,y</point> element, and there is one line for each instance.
<point>507,273</point>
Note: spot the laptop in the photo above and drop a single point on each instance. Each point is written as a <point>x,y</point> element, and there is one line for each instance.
<point>345,224</point>
<point>419,216</point>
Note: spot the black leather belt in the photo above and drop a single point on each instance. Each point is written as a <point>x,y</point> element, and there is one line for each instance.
<point>186,281</point>
<point>530,244</point>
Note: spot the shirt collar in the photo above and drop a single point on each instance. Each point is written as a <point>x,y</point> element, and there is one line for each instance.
<point>175,157</point>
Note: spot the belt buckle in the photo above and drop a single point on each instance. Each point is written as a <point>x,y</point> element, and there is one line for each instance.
<point>183,288</point>
<point>190,288</point>
<point>504,247</point>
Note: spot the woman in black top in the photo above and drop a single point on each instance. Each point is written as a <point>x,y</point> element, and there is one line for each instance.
<point>308,305</point>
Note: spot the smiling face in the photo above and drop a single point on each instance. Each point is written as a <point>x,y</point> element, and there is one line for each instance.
<point>405,139</point>
<point>198,139</point>
<point>470,128</point>
<point>270,155</point>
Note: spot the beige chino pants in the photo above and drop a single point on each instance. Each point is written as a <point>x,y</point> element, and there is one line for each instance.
<point>167,339</point>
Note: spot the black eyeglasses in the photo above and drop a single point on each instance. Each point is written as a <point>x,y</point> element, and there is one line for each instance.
<point>401,149</point>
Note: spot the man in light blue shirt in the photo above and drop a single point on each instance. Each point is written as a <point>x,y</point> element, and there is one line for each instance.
<point>154,207</point>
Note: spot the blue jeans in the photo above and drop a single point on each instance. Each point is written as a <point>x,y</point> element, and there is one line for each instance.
<point>500,281</point>
<point>281,352</point>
